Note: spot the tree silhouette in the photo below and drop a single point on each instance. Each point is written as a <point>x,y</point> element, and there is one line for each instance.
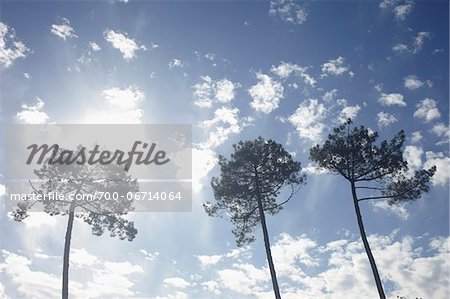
<point>101,214</point>
<point>352,153</point>
<point>248,187</point>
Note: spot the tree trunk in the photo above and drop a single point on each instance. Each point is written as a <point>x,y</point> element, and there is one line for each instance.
<point>266,239</point>
<point>65,280</point>
<point>366,244</point>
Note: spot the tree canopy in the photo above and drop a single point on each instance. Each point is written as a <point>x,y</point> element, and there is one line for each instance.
<point>256,168</point>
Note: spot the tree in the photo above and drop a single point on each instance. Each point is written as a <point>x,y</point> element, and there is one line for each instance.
<point>248,187</point>
<point>352,153</point>
<point>84,180</point>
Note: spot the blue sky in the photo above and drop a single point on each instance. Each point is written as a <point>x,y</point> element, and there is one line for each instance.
<point>285,70</point>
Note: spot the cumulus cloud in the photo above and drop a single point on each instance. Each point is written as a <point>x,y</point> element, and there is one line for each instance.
<point>416,137</point>
<point>63,30</point>
<point>443,131</point>
<point>123,106</point>
<point>335,67</point>
<point>175,282</point>
<point>392,99</point>
<point>208,91</point>
<point>399,9</point>
<point>176,63</point>
<point>33,114</point>
<point>11,49</point>
<point>442,163</point>
<point>427,110</point>
<point>308,118</point>
<point>30,282</point>
<point>385,119</point>
<point>402,11</point>
<point>339,268</point>
<point>400,48</point>
<point>412,82</point>
<point>225,123</point>
<point>348,112</point>
<point>285,69</point>
<point>413,155</point>
<point>94,46</point>
<point>203,161</point>
<point>415,46</point>
<point>208,260</point>
<point>398,210</point>
<point>419,40</point>
<point>266,94</point>
<point>127,46</point>
<point>289,11</point>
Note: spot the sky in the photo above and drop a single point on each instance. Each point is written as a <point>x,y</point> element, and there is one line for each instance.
<point>236,70</point>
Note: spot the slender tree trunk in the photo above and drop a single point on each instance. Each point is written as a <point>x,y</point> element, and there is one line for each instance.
<point>65,280</point>
<point>266,239</point>
<point>366,244</point>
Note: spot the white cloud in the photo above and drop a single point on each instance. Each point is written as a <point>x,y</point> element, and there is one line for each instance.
<point>413,155</point>
<point>39,220</point>
<point>285,69</point>
<point>385,119</point>
<point>33,114</point>
<point>209,91</point>
<point>222,115</point>
<point>329,95</point>
<point>176,63</point>
<point>402,11</point>
<point>441,130</point>
<point>123,106</point>
<point>415,46</point>
<point>203,161</point>
<point>398,210</point>
<point>127,46</point>
<point>80,258</point>
<point>94,46</point>
<point>208,260</point>
<point>348,112</point>
<point>416,137</point>
<point>226,123</point>
<point>175,282</point>
<point>11,49</point>
<point>225,90</point>
<point>412,82</point>
<point>400,48</point>
<point>313,169</point>
<point>111,279</point>
<point>335,67</point>
<point>340,269</point>
<point>63,30</point>
<point>307,120</point>
<point>289,11</point>
<point>419,40</point>
<point>210,56</point>
<point>266,94</point>
<point>244,278</point>
<point>442,163</point>
<point>211,286</point>
<point>389,99</point>
<point>148,255</point>
<point>427,110</point>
